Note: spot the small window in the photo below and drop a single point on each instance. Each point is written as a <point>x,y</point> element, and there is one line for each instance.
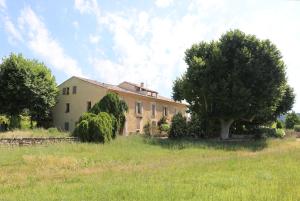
<point>138,108</point>
<point>153,108</point>
<point>64,91</point>
<point>88,105</point>
<point>66,126</point>
<point>165,111</point>
<point>67,107</point>
<point>74,90</point>
<point>67,90</point>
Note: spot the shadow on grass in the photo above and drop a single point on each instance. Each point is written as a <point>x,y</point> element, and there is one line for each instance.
<point>252,145</point>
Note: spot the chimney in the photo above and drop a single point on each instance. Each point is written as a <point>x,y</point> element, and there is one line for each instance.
<point>142,84</point>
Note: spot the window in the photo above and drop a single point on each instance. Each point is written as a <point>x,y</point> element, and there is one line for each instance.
<point>138,108</point>
<point>165,111</point>
<point>66,126</point>
<point>74,90</point>
<point>64,91</point>
<point>153,109</point>
<point>67,107</point>
<point>68,90</point>
<point>88,105</point>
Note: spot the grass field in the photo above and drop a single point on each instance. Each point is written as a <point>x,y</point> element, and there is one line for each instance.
<point>135,168</point>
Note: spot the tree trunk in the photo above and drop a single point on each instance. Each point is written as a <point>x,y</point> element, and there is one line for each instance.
<point>225,126</point>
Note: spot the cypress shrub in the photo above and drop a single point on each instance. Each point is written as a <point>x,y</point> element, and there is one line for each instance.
<point>178,126</point>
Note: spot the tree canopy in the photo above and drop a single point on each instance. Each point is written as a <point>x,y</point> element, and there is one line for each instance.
<point>27,85</point>
<point>238,77</point>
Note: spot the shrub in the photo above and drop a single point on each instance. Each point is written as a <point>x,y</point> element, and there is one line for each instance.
<point>53,130</point>
<point>162,120</point>
<point>270,132</point>
<point>196,127</point>
<point>15,122</point>
<point>147,129</point>
<point>178,126</point>
<point>279,133</point>
<point>291,120</point>
<point>297,128</point>
<point>100,128</point>
<point>279,124</point>
<point>82,131</point>
<point>164,128</point>
<point>115,126</point>
<point>95,128</point>
<point>87,116</point>
<point>4,123</point>
<point>112,104</point>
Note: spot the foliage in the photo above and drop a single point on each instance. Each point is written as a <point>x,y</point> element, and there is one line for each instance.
<point>164,128</point>
<point>4,123</point>
<point>238,77</point>
<point>196,127</point>
<point>112,104</point>
<point>280,133</point>
<point>82,131</point>
<point>297,128</point>
<point>15,121</point>
<point>53,130</point>
<point>162,120</point>
<point>279,124</point>
<point>27,84</point>
<point>178,126</point>
<point>95,128</point>
<point>147,129</point>
<point>291,120</point>
<point>100,128</point>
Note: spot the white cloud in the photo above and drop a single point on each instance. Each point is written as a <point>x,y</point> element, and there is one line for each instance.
<point>2,4</point>
<point>150,48</point>
<point>163,3</point>
<point>94,39</point>
<point>40,41</point>
<point>13,33</point>
<point>89,7</point>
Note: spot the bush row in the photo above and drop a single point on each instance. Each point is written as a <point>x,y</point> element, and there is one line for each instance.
<point>197,128</point>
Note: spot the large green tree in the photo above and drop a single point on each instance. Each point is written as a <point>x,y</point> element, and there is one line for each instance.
<point>27,85</point>
<point>238,77</point>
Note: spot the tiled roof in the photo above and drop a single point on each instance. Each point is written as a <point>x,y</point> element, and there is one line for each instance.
<point>136,85</point>
<point>119,89</point>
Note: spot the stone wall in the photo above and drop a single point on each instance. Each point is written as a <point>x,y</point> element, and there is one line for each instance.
<point>35,140</point>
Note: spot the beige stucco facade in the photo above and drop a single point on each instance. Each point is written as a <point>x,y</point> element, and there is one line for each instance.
<point>71,105</point>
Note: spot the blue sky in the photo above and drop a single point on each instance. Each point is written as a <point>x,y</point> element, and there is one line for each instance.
<point>140,41</point>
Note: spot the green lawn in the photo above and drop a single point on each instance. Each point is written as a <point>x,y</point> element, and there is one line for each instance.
<point>132,168</point>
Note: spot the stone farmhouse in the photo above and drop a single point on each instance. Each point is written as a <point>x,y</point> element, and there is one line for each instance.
<point>78,95</point>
